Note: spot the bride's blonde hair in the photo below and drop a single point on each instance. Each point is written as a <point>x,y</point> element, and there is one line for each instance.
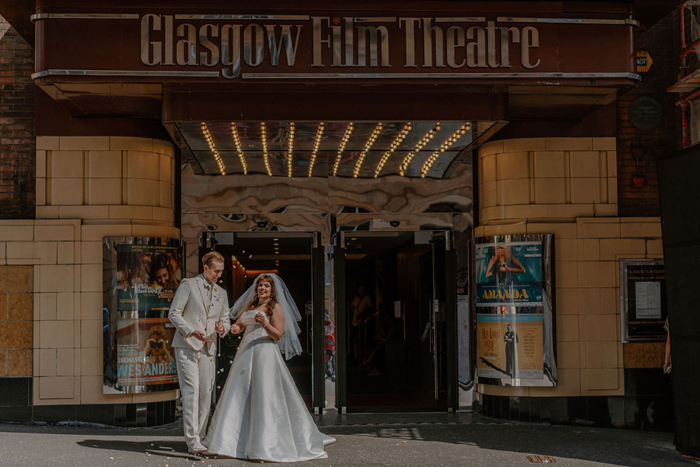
<point>270,305</point>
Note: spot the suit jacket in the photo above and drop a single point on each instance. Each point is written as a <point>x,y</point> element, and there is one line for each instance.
<point>191,311</point>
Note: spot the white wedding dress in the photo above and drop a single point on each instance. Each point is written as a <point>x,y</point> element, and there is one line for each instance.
<point>261,414</point>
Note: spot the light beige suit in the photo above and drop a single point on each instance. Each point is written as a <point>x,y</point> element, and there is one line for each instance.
<point>194,308</point>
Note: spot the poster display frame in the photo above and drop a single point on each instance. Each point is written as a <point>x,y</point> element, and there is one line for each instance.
<point>628,306</point>
<point>525,291</point>
<point>135,313</point>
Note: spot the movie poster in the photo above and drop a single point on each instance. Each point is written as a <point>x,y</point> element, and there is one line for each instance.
<point>508,274</point>
<point>143,274</point>
<point>144,352</point>
<point>147,277</point>
<point>510,346</point>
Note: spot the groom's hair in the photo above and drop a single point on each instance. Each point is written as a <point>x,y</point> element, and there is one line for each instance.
<point>211,257</point>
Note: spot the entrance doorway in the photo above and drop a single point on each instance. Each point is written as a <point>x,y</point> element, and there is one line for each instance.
<point>292,256</point>
<point>398,320</point>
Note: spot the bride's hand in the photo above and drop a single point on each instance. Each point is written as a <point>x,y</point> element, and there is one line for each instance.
<point>236,329</point>
<point>260,319</point>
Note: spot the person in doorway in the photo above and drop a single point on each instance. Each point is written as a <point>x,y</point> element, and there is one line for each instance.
<point>261,414</point>
<point>361,307</point>
<point>329,345</point>
<point>510,338</point>
<point>385,330</point>
<point>199,311</point>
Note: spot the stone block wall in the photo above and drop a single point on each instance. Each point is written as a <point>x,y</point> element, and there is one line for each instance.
<point>568,187</point>
<point>116,178</point>
<point>587,253</point>
<point>88,188</point>
<point>547,178</point>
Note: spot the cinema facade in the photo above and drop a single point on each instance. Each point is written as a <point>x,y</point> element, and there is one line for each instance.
<point>385,161</point>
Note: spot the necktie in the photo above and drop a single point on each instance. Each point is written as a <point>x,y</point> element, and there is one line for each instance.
<point>209,288</point>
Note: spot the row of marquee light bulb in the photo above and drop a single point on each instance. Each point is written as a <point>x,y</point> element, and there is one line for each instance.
<point>346,137</point>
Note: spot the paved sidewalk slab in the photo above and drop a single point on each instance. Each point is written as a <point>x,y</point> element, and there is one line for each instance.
<point>404,440</point>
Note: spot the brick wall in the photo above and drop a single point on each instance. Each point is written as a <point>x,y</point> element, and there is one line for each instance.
<point>17,140</point>
<point>637,150</point>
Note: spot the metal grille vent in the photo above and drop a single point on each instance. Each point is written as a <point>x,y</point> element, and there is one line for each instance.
<point>536,459</point>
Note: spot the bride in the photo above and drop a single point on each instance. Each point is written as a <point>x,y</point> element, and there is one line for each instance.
<point>261,414</point>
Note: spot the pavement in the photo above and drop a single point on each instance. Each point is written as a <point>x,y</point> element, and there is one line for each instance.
<point>363,440</point>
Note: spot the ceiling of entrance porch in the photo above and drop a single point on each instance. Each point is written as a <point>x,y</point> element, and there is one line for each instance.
<point>324,149</point>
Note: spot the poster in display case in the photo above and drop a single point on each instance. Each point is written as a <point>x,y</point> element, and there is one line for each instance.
<point>513,296</point>
<point>642,300</point>
<point>141,275</point>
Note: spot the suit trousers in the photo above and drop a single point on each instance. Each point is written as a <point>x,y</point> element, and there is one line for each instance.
<point>196,371</point>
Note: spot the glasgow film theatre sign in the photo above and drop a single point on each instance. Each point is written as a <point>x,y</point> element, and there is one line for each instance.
<point>337,43</point>
<point>332,47</point>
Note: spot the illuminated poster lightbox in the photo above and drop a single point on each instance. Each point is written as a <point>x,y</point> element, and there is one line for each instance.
<point>141,275</point>
<point>514,305</point>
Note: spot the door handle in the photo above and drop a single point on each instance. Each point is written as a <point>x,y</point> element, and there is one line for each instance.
<point>434,310</point>
<point>425,332</point>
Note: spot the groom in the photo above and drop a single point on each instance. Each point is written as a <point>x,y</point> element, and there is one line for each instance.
<point>198,311</point>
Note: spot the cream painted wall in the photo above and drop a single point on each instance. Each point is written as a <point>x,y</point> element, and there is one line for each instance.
<point>568,187</point>
<point>87,188</point>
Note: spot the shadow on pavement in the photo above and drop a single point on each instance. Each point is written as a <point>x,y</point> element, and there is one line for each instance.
<point>602,445</point>
<point>156,448</point>
<point>608,446</point>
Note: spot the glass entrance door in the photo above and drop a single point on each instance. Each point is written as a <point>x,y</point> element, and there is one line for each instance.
<point>443,321</point>
<point>294,256</point>
<point>393,324</point>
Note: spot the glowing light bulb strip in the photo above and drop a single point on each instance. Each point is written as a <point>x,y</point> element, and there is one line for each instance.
<point>317,144</point>
<point>290,149</point>
<point>266,157</point>
<point>445,145</point>
<point>237,140</point>
<point>372,138</point>
<point>212,147</point>
<point>341,148</point>
<point>397,141</point>
<point>421,144</point>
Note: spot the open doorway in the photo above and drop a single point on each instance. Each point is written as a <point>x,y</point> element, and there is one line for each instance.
<point>396,298</point>
<point>250,254</point>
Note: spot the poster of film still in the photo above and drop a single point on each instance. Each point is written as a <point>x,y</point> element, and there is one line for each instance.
<point>141,277</point>
<point>515,320</point>
<point>509,274</point>
<point>510,346</point>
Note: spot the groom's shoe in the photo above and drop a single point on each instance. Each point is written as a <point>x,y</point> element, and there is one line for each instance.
<point>197,449</point>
